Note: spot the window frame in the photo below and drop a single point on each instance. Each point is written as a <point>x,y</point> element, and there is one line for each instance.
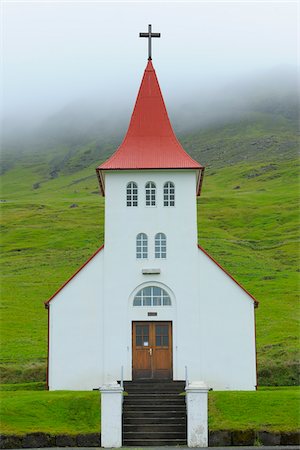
<point>145,297</point>
<point>141,246</point>
<point>168,201</point>
<point>131,192</point>
<point>160,246</point>
<point>150,190</point>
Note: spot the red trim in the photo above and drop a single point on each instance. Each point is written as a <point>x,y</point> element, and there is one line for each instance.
<point>48,349</point>
<point>71,278</point>
<point>101,177</point>
<point>255,349</point>
<point>230,276</point>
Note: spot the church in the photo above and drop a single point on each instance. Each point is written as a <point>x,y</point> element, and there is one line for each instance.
<point>151,303</point>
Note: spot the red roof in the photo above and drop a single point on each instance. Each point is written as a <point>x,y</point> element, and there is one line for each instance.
<point>150,142</point>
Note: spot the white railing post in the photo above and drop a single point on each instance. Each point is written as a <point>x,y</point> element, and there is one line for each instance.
<point>111,415</point>
<point>197,423</point>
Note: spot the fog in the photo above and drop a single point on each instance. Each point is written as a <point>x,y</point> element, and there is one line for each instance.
<point>71,63</point>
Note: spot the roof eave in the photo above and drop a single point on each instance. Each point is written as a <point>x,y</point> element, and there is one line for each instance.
<point>256,303</point>
<point>47,302</point>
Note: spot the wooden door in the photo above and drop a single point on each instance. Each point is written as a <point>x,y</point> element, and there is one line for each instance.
<point>152,350</point>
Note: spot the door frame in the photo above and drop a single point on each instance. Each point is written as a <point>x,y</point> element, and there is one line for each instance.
<point>170,322</point>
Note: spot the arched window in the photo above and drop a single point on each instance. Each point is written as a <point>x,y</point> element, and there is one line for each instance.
<point>152,296</point>
<point>150,194</point>
<point>160,245</point>
<point>169,194</point>
<point>132,194</point>
<point>141,246</point>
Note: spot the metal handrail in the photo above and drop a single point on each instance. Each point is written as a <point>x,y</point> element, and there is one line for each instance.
<point>186,377</point>
<point>122,377</point>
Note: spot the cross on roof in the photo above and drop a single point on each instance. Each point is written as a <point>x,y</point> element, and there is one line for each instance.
<point>149,35</point>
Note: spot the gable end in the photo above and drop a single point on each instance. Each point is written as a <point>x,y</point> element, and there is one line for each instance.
<point>256,303</point>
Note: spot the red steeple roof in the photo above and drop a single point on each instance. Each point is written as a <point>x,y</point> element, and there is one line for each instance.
<point>150,142</point>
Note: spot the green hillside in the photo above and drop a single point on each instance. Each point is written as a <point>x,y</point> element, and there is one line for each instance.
<point>248,220</point>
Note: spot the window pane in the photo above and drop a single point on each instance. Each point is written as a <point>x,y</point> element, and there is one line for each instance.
<point>147,301</point>
<point>156,301</point>
<point>166,301</point>
<point>131,194</point>
<point>156,290</point>
<point>139,329</point>
<point>147,291</point>
<point>158,341</point>
<point>164,330</point>
<point>165,341</point>
<point>139,340</point>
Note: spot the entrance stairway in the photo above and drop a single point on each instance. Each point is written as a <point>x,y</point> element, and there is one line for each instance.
<point>154,414</point>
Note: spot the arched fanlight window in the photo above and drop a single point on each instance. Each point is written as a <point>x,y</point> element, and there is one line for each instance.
<point>160,245</point>
<point>132,194</point>
<point>152,296</point>
<point>141,246</point>
<point>169,194</point>
<point>150,189</point>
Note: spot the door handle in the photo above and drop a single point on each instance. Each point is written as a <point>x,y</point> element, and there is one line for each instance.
<point>150,351</point>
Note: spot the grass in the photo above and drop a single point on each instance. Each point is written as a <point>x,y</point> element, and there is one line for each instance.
<point>70,412</point>
<point>265,410</point>
<point>50,412</point>
<point>248,220</point>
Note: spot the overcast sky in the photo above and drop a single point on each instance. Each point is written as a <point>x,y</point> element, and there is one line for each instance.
<point>55,53</point>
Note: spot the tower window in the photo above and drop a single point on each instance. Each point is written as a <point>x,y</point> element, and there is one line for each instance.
<point>132,194</point>
<point>169,194</point>
<point>152,296</point>
<point>141,246</point>
<point>160,245</point>
<point>150,194</point>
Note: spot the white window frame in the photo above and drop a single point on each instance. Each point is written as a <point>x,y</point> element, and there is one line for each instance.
<point>160,242</point>
<point>131,194</point>
<point>150,193</point>
<point>142,246</point>
<point>150,297</point>
<point>169,193</point>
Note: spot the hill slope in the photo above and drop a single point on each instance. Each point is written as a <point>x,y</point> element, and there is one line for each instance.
<point>247,216</point>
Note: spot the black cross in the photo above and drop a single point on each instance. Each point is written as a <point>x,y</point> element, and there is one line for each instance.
<point>149,35</point>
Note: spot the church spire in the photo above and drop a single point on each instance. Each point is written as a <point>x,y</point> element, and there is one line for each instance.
<point>150,142</point>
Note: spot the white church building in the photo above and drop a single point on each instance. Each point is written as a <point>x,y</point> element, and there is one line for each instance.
<point>151,303</point>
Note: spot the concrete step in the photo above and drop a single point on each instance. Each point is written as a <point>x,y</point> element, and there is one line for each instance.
<point>154,409</point>
<point>153,442</point>
<point>154,435</point>
<point>154,387</point>
<point>160,395</point>
<point>159,415</point>
<point>155,419</point>
<point>153,401</point>
<point>157,428</point>
<point>154,414</point>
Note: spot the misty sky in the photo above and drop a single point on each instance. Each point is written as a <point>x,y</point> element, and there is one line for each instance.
<point>56,53</point>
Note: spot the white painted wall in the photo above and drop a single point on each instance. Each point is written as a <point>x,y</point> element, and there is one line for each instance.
<point>91,318</point>
<point>76,341</point>
<point>226,323</point>
<point>123,272</point>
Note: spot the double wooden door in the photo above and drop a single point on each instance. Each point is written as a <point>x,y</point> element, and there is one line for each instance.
<point>152,350</point>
